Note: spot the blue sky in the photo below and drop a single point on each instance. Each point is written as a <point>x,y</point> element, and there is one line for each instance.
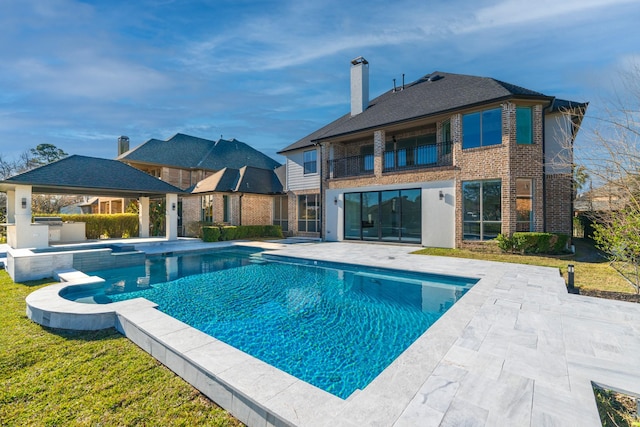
<point>78,74</point>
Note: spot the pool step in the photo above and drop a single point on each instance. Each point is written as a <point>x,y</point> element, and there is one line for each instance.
<point>257,259</point>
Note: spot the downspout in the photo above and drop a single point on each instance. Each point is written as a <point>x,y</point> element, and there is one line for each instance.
<point>240,209</point>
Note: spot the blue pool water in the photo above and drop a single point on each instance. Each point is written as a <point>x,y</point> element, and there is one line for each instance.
<point>334,326</point>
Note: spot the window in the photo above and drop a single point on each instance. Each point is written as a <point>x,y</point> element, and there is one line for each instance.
<point>281,212</point>
<point>482,129</point>
<point>310,162</point>
<point>225,208</point>
<point>524,124</point>
<point>309,213</point>
<point>482,209</point>
<point>207,208</point>
<point>390,216</point>
<point>524,204</point>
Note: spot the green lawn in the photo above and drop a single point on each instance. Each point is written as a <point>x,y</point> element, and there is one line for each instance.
<point>592,272</point>
<point>53,377</point>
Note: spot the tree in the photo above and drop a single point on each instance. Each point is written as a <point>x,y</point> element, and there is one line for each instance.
<point>612,160</point>
<point>42,155</point>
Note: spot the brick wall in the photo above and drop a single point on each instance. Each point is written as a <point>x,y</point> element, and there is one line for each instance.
<point>257,209</point>
<point>558,203</point>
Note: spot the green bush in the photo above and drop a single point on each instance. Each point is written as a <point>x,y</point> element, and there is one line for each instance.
<point>533,243</point>
<point>217,233</point>
<point>104,225</point>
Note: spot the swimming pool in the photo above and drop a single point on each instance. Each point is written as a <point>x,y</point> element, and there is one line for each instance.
<point>332,325</point>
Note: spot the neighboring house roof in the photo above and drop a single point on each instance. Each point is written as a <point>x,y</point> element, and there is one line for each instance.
<point>435,93</point>
<point>90,175</point>
<point>243,180</point>
<point>189,152</point>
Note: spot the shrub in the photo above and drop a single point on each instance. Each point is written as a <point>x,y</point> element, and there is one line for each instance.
<point>217,233</point>
<point>113,225</point>
<point>533,243</point>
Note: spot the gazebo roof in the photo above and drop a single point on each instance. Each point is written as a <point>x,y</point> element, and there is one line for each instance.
<point>90,176</point>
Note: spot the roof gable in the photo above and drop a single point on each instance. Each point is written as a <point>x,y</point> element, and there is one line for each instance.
<point>190,152</point>
<point>244,180</point>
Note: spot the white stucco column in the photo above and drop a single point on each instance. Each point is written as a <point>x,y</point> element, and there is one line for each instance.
<point>172,217</point>
<point>23,234</point>
<point>11,206</point>
<point>143,217</point>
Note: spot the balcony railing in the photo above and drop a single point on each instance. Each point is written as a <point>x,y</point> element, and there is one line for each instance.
<point>420,157</point>
<point>351,166</point>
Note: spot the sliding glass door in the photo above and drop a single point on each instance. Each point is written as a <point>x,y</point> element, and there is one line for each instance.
<point>389,216</point>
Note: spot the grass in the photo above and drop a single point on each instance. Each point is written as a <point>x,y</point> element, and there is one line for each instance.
<point>592,272</point>
<point>53,377</point>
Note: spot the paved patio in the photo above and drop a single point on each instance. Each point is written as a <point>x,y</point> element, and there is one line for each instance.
<point>516,350</point>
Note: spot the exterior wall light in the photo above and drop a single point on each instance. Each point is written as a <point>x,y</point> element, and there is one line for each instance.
<point>173,206</point>
<point>24,203</point>
<point>441,195</point>
<point>335,201</point>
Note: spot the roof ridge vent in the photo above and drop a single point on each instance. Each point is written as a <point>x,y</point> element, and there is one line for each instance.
<point>434,77</point>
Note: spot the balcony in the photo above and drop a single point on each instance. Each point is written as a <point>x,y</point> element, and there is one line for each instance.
<point>413,158</point>
<point>351,166</point>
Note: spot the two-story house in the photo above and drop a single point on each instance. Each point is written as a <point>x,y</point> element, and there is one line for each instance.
<point>444,161</point>
<point>230,182</point>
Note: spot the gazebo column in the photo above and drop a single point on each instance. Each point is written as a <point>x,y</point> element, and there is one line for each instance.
<point>22,234</point>
<point>172,216</point>
<point>11,206</point>
<point>143,217</point>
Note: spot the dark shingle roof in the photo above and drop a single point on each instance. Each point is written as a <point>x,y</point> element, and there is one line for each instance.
<point>90,175</point>
<point>564,105</point>
<point>190,152</point>
<point>243,180</point>
<point>433,94</point>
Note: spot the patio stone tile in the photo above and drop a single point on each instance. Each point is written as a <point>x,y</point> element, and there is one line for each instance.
<point>464,414</point>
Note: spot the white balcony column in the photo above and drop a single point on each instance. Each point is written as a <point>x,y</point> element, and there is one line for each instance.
<point>172,217</point>
<point>143,217</point>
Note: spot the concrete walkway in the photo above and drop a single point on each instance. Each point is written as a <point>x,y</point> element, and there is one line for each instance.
<point>516,350</point>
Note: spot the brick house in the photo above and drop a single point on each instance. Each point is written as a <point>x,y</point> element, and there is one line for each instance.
<point>446,161</point>
<point>230,181</point>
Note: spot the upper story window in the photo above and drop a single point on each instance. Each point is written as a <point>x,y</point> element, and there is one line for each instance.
<point>524,125</point>
<point>310,162</point>
<point>482,129</point>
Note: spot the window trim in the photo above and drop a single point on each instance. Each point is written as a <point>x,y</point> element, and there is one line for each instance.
<point>310,167</point>
<point>529,140</point>
<point>531,197</point>
<point>481,215</point>
<point>481,115</point>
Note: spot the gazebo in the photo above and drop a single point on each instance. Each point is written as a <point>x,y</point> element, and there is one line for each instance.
<point>81,175</point>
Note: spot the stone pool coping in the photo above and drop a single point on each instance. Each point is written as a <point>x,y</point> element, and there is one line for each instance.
<point>517,349</point>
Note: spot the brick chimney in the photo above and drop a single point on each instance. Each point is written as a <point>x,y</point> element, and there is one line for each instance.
<point>359,85</point>
<point>123,144</point>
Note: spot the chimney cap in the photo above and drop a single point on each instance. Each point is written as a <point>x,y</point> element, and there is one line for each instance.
<point>359,60</point>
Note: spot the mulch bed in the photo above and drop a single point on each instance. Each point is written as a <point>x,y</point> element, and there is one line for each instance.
<point>620,296</point>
